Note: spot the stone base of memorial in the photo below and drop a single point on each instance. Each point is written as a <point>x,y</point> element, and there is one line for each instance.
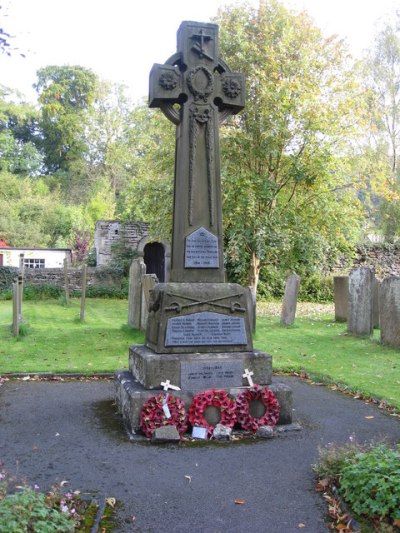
<point>198,371</point>
<point>130,396</point>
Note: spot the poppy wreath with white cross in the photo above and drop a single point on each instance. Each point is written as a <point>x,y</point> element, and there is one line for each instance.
<point>153,416</point>
<point>257,393</point>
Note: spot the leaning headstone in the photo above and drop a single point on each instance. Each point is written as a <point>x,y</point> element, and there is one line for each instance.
<point>361,294</point>
<point>136,272</point>
<point>341,297</point>
<point>375,304</point>
<point>288,312</point>
<point>390,311</point>
<point>252,308</point>
<point>149,281</point>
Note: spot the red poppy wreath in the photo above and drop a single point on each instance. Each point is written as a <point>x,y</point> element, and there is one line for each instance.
<point>254,393</point>
<point>215,398</point>
<point>152,415</point>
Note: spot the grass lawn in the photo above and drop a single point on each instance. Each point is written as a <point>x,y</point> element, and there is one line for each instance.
<point>58,342</point>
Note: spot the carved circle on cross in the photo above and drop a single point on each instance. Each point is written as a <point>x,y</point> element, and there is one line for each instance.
<point>195,80</point>
<point>231,87</point>
<point>167,81</point>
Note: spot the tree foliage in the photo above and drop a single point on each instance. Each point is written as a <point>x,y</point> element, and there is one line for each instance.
<point>65,96</point>
<point>287,182</point>
<point>381,71</point>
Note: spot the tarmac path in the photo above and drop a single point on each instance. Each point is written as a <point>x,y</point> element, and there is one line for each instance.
<point>54,431</point>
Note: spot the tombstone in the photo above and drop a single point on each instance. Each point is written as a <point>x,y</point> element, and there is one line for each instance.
<point>289,305</point>
<point>136,272</point>
<point>198,331</point>
<point>375,304</point>
<point>149,281</point>
<point>390,311</point>
<point>341,297</point>
<point>361,294</point>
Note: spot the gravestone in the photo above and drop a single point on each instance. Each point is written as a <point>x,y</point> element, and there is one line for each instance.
<point>199,332</point>
<point>390,311</point>
<point>289,305</point>
<point>149,281</point>
<point>136,272</point>
<point>341,297</point>
<point>361,294</point>
<point>375,304</point>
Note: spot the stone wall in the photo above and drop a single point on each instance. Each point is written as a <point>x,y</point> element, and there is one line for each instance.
<point>109,232</point>
<point>384,258</point>
<point>55,276</point>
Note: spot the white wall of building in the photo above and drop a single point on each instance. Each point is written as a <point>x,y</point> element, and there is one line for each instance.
<point>36,258</point>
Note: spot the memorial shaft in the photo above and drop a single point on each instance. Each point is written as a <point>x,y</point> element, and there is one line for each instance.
<point>207,92</point>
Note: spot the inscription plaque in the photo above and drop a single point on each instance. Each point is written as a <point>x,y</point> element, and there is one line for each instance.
<point>201,250</point>
<point>211,374</point>
<point>205,328</point>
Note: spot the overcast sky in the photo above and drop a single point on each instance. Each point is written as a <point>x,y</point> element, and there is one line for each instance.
<point>121,39</point>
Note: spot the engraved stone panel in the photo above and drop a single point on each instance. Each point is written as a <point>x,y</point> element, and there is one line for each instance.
<point>211,374</point>
<point>201,250</point>
<point>206,328</point>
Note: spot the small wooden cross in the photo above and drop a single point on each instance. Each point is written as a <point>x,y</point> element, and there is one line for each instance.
<point>167,385</point>
<point>247,374</point>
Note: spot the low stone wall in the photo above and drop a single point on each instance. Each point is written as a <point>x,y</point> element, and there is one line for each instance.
<point>55,277</point>
<point>383,258</point>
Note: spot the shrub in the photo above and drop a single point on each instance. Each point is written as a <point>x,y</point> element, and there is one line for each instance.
<point>29,511</point>
<point>371,483</point>
<point>368,478</point>
<point>7,276</point>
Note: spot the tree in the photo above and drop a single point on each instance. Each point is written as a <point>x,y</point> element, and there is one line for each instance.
<point>287,183</point>
<point>18,133</point>
<point>149,194</point>
<point>66,94</point>
<point>381,69</point>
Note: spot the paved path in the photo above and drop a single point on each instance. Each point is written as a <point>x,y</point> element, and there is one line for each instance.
<point>69,431</point>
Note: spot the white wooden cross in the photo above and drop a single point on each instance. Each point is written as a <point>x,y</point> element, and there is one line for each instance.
<point>167,385</point>
<point>247,374</point>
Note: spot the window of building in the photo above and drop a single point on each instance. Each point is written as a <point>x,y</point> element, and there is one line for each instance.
<point>34,263</point>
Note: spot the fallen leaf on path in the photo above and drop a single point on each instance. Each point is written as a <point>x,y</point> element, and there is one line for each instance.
<point>189,478</point>
<point>111,502</point>
<point>301,525</point>
<point>322,485</point>
<point>369,417</point>
<point>238,501</point>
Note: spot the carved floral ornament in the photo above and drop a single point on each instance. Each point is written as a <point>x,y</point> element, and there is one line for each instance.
<point>231,87</point>
<point>194,82</point>
<point>168,81</point>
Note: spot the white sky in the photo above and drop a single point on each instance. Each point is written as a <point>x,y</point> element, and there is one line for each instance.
<point>121,39</point>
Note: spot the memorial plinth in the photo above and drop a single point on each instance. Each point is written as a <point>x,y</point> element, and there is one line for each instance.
<point>198,317</point>
<point>199,329</point>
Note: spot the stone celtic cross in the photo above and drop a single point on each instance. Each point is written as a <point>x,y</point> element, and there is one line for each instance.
<point>207,92</point>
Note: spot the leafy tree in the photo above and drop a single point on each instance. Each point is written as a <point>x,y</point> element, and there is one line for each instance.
<point>66,94</point>
<point>287,182</point>
<point>18,132</point>
<point>149,194</point>
<point>381,69</point>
